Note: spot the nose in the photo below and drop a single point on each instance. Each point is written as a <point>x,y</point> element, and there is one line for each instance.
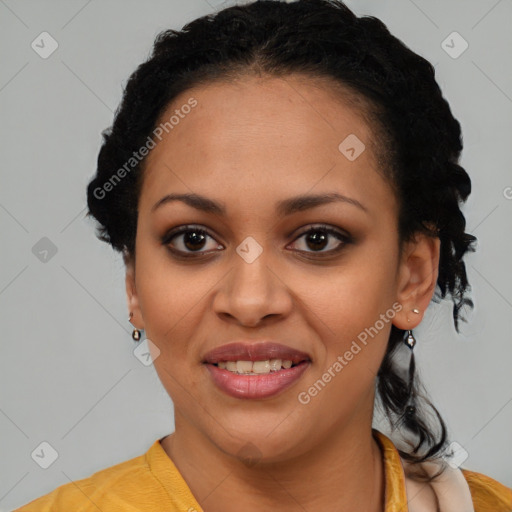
<point>253,293</point>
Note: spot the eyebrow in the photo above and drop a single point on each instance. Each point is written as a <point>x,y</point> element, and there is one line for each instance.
<point>283,207</point>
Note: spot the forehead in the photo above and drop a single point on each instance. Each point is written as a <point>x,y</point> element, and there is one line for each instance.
<point>262,134</point>
<point>269,113</point>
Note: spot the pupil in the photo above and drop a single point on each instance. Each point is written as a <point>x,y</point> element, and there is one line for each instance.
<point>193,238</point>
<point>317,238</point>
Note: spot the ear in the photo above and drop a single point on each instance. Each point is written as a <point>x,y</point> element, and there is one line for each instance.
<point>417,278</point>
<point>131,294</point>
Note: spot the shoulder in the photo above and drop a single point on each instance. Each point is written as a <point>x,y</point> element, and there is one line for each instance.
<point>488,494</point>
<point>117,487</point>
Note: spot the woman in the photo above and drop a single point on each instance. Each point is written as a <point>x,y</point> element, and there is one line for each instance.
<point>283,183</point>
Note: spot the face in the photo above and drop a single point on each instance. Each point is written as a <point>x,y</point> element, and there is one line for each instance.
<point>325,279</point>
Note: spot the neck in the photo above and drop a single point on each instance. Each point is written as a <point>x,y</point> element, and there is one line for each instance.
<point>343,472</point>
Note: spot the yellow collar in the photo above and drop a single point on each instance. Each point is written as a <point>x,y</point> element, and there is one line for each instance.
<point>395,498</point>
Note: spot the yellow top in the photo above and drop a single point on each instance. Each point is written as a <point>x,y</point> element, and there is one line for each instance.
<point>151,482</point>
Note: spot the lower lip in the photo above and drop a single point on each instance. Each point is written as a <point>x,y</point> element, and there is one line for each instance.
<point>256,386</point>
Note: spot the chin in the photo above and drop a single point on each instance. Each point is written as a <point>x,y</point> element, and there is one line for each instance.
<point>262,442</point>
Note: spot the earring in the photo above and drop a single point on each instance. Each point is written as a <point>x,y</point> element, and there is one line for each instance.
<point>410,341</point>
<point>416,311</point>
<point>410,407</point>
<point>136,334</point>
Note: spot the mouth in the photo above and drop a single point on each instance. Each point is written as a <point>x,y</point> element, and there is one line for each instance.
<point>261,370</point>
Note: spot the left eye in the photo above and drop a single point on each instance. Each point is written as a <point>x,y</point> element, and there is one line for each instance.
<point>318,238</point>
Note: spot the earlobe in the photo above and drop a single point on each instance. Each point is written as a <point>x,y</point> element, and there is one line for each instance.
<point>417,278</point>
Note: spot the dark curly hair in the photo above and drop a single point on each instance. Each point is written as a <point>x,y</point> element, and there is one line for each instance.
<point>418,142</point>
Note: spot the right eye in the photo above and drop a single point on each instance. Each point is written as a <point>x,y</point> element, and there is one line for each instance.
<point>189,240</point>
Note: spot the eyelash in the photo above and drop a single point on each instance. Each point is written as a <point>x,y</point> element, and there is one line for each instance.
<point>168,237</point>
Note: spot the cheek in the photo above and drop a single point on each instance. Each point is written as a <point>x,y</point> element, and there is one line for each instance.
<point>170,299</point>
<point>354,313</point>
<point>171,304</point>
<point>353,346</point>
<point>352,296</point>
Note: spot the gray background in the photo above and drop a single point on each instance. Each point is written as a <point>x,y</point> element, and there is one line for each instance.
<point>69,376</point>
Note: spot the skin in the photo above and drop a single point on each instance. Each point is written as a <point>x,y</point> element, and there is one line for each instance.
<point>249,144</point>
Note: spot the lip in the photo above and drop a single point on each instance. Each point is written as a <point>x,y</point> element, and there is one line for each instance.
<point>257,385</point>
<point>250,351</point>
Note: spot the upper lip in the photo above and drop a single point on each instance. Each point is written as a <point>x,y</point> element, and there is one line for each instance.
<point>254,351</point>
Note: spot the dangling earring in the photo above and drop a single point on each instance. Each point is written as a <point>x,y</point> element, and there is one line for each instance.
<point>410,407</point>
<point>410,341</point>
<point>136,334</point>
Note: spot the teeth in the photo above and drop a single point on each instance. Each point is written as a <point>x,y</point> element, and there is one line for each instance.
<point>261,367</point>
<point>275,364</point>
<point>256,367</point>
<point>244,366</point>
